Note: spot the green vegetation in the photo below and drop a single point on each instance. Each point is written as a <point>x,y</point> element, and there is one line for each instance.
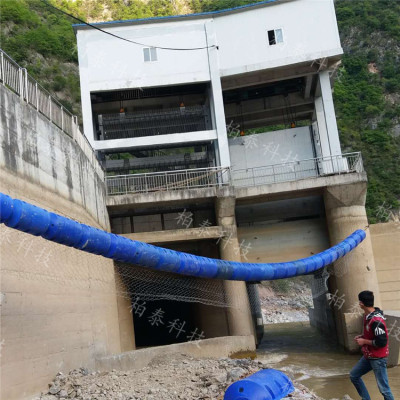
<point>45,44</point>
<point>367,94</point>
<point>367,89</point>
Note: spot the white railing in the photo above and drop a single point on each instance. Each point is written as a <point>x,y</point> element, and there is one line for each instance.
<point>296,170</point>
<point>167,181</point>
<point>19,81</point>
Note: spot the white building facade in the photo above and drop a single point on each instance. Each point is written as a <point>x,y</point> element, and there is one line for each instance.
<point>236,104</point>
<point>170,100</point>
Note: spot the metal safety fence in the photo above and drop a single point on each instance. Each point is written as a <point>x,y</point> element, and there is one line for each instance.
<point>218,176</point>
<point>17,79</point>
<point>296,170</point>
<point>168,180</point>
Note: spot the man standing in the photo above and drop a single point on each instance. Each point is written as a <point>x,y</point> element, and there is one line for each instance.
<point>375,347</point>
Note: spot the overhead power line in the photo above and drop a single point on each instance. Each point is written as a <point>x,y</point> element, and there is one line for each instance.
<point>122,38</point>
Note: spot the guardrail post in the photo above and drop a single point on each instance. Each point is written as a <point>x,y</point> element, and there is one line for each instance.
<point>126,184</point>
<point>187,179</point>
<point>49,99</point>
<point>26,94</point>
<point>166,180</point>
<point>73,129</point>
<point>37,96</point>
<point>62,118</point>
<point>21,87</point>
<point>3,74</point>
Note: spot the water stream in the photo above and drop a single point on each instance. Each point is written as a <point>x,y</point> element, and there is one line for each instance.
<point>317,361</point>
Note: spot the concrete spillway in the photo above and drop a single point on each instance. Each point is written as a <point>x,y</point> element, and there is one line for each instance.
<point>28,218</point>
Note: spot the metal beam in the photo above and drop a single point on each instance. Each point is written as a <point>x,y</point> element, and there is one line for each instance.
<point>307,89</point>
<point>156,141</point>
<point>275,119</point>
<point>275,74</point>
<point>177,235</point>
<point>249,107</point>
<point>132,163</point>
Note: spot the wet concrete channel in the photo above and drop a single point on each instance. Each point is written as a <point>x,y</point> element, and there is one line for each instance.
<point>317,361</point>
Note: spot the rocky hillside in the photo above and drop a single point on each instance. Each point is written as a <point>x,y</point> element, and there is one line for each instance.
<point>367,89</point>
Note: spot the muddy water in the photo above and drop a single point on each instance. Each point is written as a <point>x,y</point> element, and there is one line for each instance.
<point>317,361</point>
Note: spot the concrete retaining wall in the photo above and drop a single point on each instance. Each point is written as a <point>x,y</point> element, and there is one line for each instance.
<point>59,307</point>
<point>34,149</point>
<point>393,326</point>
<point>214,348</point>
<point>385,243</point>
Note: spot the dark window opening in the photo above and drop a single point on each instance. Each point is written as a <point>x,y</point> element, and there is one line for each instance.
<point>275,36</point>
<point>271,37</point>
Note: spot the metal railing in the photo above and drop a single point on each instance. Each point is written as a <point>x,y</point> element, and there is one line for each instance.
<point>20,82</point>
<point>153,122</point>
<point>218,176</point>
<point>167,181</point>
<point>296,170</point>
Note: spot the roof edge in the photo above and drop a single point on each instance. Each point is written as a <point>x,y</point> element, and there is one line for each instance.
<point>168,18</point>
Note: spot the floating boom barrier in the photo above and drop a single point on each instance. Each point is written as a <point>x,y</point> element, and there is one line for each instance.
<point>36,221</point>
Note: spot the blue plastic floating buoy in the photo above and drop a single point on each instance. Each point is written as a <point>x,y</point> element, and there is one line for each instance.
<point>267,384</point>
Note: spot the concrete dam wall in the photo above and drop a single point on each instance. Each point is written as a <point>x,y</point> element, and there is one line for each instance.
<point>385,242</point>
<point>59,308</point>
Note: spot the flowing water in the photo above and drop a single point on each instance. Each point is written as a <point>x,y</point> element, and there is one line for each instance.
<point>317,361</point>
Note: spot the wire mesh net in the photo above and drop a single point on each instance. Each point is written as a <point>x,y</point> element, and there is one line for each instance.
<point>29,258</point>
<point>152,285</point>
<point>319,285</point>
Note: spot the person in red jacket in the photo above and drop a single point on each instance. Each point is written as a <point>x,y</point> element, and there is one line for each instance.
<point>375,347</point>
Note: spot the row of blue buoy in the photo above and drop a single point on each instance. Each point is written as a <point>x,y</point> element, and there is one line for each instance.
<point>28,218</point>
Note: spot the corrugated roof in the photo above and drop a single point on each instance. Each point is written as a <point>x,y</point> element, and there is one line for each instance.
<point>180,17</point>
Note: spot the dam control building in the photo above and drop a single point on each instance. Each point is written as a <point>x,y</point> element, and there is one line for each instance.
<point>227,119</point>
<point>213,134</point>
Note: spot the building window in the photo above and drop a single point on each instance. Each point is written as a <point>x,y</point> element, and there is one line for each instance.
<point>275,36</point>
<point>150,54</point>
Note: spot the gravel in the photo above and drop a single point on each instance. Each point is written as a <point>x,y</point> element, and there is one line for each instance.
<point>291,306</point>
<point>179,377</point>
<point>184,377</point>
